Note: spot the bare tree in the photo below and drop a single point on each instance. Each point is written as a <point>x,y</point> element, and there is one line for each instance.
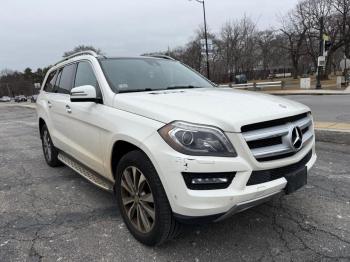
<point>342,15</point>
<point>82,48</point>
<point>295,35</point>
<point>237,46</point>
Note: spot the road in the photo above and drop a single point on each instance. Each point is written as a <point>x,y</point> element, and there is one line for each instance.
<point>326,108</point>
<point>52,214</point>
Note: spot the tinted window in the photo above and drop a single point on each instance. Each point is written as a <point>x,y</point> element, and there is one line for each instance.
<point>66,80</point>
<point>50,82</point>
<point>85,75</point>
<point>58,77</point>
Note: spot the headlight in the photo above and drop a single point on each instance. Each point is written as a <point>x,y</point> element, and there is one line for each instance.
<point>197,140</point>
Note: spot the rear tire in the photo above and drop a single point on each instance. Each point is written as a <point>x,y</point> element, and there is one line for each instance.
<point>142,200</point>
<point>49,150</point>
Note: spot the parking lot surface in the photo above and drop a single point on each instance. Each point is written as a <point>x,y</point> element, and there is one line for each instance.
<point>52,214</point>
<point>326,108</point>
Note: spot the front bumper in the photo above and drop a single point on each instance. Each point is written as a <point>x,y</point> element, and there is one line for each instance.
<point>219,203</point>
<point>233,210</point>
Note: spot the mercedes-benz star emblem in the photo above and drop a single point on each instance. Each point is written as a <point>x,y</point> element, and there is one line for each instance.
<point>296,138</point>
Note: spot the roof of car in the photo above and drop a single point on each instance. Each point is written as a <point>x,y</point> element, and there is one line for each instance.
<point>94,54</point>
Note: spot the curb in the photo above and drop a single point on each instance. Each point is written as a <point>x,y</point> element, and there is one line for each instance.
<point>332,136</point>
<point>306,94</point>
<point>289,93</point>
<point>31,106</point>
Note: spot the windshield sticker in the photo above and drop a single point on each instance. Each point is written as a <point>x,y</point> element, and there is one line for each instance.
<point>123,86</point>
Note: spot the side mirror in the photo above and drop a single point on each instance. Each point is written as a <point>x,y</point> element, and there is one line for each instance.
<point>83,94</point>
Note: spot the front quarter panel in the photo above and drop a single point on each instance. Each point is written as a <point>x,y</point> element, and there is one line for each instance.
<point>118,125</point>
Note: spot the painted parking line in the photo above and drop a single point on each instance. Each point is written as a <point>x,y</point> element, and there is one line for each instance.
<point>337,126</point>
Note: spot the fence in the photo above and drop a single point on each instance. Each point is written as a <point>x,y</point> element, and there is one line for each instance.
<point>257,86</point>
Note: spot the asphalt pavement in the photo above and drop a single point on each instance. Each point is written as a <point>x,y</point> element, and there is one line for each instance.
<point>326,108</point>
<point>52,214</point>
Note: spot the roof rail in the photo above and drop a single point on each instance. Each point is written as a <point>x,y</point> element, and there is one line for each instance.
<point>87,52</point>
<point>162,56</point>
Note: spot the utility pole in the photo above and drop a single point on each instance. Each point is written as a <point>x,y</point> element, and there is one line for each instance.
<point>319,70</point>
<point>8,89</point>
<point>205,36</point>
<point>206,40</point>
<point>345,48</point>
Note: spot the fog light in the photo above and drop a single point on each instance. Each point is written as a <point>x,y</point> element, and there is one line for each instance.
<point>208,181</point>
<point>213,180</point>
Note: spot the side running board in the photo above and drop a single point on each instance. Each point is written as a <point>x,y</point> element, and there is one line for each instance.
<point>85,172</point>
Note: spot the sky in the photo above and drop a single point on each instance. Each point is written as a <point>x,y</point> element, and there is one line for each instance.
<point>35,33</point>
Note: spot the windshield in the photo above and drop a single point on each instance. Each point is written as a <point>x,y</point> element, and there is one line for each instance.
<point>148,74</point>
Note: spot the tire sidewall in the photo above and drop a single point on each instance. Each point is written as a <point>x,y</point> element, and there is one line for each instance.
<point>53,161</point>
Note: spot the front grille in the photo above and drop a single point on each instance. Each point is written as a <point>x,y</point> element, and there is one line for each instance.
<point>271,140</point>
<point>263,176</point>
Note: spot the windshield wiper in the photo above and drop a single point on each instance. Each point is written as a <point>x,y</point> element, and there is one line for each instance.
<point>136,90</point>
<point>182,87</point>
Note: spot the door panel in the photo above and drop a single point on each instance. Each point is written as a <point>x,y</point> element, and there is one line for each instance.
<point>61,121</point>
<point>79,127</point>
<point>84,134</point>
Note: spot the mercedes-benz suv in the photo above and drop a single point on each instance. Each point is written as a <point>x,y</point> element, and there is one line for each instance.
<point>172,146</point>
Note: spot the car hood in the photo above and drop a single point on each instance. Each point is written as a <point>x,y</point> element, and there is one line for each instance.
<point>226,108</point>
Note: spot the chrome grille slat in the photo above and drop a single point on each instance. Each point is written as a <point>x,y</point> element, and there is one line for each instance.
<point>307,136</point>
<point>261,150</point>
<point>266,133</point>
<point>303,122</point>
<point>271,151</point>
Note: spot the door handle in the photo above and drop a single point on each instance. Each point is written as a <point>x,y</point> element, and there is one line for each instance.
<point>49,104</point>
<point>68,109</point>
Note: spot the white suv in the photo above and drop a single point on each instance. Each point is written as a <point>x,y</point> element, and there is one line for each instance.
<point>172,146</point>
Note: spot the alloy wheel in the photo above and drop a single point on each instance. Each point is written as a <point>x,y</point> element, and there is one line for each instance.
<point>47,145</point>
<point>137,199</point>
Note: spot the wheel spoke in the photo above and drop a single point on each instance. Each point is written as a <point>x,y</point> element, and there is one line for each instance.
<point>138,219</point>
<point>129,181</point>
<point>127,200</point>
<point>147,198</point>
<point>148,209</point>
<point>126,187</point>
<point>141,183</point>
<point>134,177</point>
<point>131,212</point>
<point>144,219</point>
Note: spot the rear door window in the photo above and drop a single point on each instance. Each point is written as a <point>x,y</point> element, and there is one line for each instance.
<point>65,83</point>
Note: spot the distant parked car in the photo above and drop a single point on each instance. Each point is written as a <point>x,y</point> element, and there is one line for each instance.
<point>33,98</point>
<point>241,79</point>
<point>5,99</point>
<point>20,98</point>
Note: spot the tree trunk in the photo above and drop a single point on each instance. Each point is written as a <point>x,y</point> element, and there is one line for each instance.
<point>295,62</point>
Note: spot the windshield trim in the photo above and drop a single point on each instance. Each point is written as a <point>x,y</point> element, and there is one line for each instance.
<point>117,91</point>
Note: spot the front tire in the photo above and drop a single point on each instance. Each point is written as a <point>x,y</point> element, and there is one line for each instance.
<point>49,150</point>
<point>142,200</point>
